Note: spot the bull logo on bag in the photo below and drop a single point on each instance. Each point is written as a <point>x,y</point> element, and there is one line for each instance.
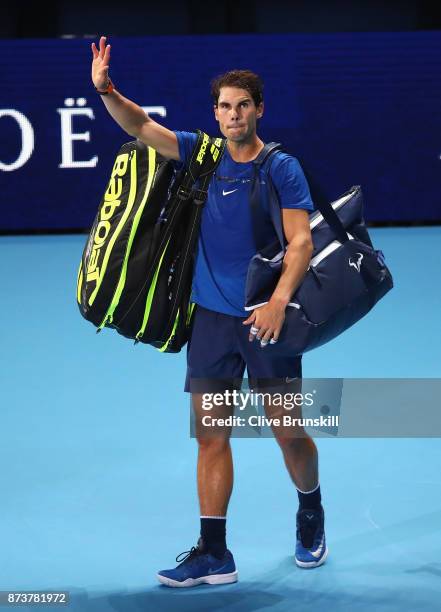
<point>356,264</point>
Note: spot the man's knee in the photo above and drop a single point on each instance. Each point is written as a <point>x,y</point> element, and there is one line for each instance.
<point>213,443</point>
<point>212,431</point>
<point>294,442</point>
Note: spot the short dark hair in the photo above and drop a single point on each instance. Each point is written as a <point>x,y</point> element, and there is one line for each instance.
<point>243,79</point>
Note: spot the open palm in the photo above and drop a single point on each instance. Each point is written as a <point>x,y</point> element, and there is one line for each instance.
<point>100,64</point>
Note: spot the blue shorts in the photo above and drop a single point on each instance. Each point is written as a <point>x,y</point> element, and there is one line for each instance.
<point>219,350</point>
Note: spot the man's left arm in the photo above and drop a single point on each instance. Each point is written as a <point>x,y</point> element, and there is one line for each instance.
<point>297,257</point>
<point>269,319</point>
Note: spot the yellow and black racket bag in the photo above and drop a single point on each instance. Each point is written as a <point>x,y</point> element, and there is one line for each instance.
<point>136,270</point>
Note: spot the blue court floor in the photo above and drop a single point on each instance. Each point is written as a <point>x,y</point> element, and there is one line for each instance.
<point>97,485</point>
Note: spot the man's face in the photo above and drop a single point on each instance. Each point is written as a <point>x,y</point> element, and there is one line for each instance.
<point>237,114</point>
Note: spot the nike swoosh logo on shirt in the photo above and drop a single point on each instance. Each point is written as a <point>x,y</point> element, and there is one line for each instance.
<point>228,192</point>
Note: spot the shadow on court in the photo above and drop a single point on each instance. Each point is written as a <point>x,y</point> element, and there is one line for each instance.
<point>243,597</point>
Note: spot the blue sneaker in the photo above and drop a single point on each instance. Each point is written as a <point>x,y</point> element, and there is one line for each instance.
<point>311,549</point>
<point>199,567</point>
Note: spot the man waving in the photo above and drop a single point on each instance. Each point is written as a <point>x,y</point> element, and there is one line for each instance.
<point>225,338</point>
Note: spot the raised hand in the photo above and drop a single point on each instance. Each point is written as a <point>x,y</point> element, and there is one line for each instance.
<point>100,64</point>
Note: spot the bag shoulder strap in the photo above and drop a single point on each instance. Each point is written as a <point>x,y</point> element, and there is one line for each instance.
<point>320,201</point>
<point>267,151</point>
<point>257,215</point>
<point>204,160</point>
<point>323,205</point>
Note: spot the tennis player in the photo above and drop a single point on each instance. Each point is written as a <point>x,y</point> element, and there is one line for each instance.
<point>225,338</point>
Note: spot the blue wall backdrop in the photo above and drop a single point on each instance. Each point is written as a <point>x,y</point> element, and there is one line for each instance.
<point>357,108</point>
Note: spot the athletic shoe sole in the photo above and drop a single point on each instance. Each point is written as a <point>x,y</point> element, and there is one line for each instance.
<point>311,564</point>
<point>191,582</point>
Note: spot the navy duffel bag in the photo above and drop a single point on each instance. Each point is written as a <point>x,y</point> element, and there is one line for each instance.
<point>346,275</point>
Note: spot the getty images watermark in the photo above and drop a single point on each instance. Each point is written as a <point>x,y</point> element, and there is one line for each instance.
<point>280,405</point>
<point>284,407</point>
<point>319,407</point>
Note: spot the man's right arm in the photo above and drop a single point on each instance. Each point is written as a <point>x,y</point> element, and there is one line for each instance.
<point>126,113</point>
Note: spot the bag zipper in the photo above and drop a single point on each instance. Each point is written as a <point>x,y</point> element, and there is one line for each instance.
<point>187,323</point>
<point>164,346</point>
<point>189,241</point>
<point>150,294</point>
<point>79,281</point>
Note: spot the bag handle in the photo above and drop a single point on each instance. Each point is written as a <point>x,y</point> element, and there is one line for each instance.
<point>320,201</point>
